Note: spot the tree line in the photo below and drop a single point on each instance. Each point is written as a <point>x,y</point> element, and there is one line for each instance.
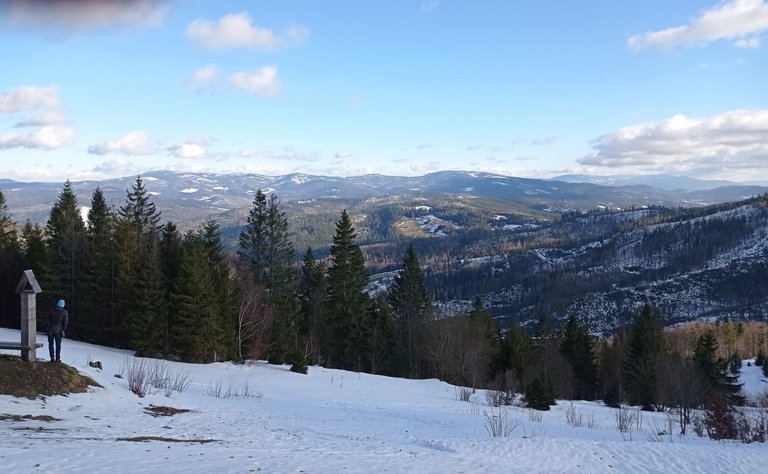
<point>132,282</point>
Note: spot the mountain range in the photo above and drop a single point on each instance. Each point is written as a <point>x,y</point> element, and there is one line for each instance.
<point>190,198</point>
<point>525,247</point>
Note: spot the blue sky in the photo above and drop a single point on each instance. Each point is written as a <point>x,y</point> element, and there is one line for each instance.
<point>93,89</point>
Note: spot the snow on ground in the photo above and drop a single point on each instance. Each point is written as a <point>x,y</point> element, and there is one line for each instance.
<point>328,421</point>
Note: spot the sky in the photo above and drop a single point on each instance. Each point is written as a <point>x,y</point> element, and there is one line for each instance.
<point>93,89</point>
<point>330,421</point>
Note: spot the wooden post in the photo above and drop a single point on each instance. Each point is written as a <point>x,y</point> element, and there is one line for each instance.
<point>27,289</point>
<point>28,326</point>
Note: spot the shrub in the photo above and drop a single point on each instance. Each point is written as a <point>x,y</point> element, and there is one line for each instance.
<point>540,395</point>
<point>498,423</point>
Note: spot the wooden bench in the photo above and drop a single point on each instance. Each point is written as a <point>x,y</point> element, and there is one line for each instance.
<point>16,346</point>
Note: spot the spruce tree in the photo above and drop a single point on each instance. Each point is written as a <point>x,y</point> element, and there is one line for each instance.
<point>647,348</point>
<point>65,231</point>
<point>266,248</point>
<point>199,327</point>
<point>138,272</point>
<point>171,254</point>
<point>11,266</point>
<point>715,369</point>
<point>578,348</point>
<point>411,310</point>
<point>98,280</point>
<point>347,303</point>
<point>147,318</point>
<point>139,209</point>
<point>8,237</point>
<point>312,297</point>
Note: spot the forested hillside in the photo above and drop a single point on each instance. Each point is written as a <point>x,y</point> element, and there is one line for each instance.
<point>477,292</point>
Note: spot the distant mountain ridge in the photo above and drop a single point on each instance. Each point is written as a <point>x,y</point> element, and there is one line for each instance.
<point>660,181</point>
<point>193,197</point>
<point>525,246</point>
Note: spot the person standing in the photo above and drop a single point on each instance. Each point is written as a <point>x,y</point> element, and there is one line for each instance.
<point>58,318</point>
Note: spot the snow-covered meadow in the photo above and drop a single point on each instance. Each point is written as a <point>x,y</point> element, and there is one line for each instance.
<point>331,421</point>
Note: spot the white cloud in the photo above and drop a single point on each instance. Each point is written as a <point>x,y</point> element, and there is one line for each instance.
<point>237,31</point>
<point>187,150</point>
<point>748,43</point>
<point>39,109</point>
<point>49,137</point>
<point>133,143</point>
<point>733,144</point>
<point>203,76</point>
<point>262,82</point>
<point>82,14</point>
<point>734,20</point>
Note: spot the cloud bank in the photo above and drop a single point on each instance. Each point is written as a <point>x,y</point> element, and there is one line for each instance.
<point>739,20</point>
<point>40,121</point>
<point>733,144</point>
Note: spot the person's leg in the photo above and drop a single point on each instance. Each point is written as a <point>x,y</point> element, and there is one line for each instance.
<point>58,346</point>
<point>50,345</point>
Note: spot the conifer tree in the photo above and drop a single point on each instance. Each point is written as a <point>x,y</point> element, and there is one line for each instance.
<point>139,209</point>
<point>98,280</point>
<point>8,238</point>
<point>266,248</point>
<point>127,256</point>
<point>382,354</point>
<point>171,254</point>
<point>578,348</point>
<point>139,273</point>
<point>715,369</point>
<point>411,310</point>
<point>312,297</point>
<point>347,303</point>
<point>65,231</point>
<point>211,237</point>
<point>10,267</point>
<point>647,347</point>
<point>199,327</point>
<point>34,250</point>
<point>147,318</point>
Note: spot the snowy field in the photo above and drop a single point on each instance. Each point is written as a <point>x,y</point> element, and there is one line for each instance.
<point>331,421</point>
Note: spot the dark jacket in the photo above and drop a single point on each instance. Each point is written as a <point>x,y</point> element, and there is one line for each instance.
<point>58,318</point>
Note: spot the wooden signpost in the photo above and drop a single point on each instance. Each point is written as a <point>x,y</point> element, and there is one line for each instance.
<point>27,289</point>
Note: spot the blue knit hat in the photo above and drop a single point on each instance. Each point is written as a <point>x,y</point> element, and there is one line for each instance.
<point>60,304</point>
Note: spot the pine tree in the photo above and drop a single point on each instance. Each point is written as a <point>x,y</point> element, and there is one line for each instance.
<point>139,209</point>
<point>65,230</point>
<point>715,369</point>
<point>312,297</point>
<point>412,311</point>
<point>34,250</point>
<point>347,303</point>
<point>128,257</point>
<point>147,318</point>
<point>266,248</point>
<point>11,266</point>
<point>8,238</point>
<point>382,354</point>
<point>171,254</point>
<point>647,347</point>
<point>100,266</point>
<point>138,271</point>
<point>199,327</point>
<point>578,348</point>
